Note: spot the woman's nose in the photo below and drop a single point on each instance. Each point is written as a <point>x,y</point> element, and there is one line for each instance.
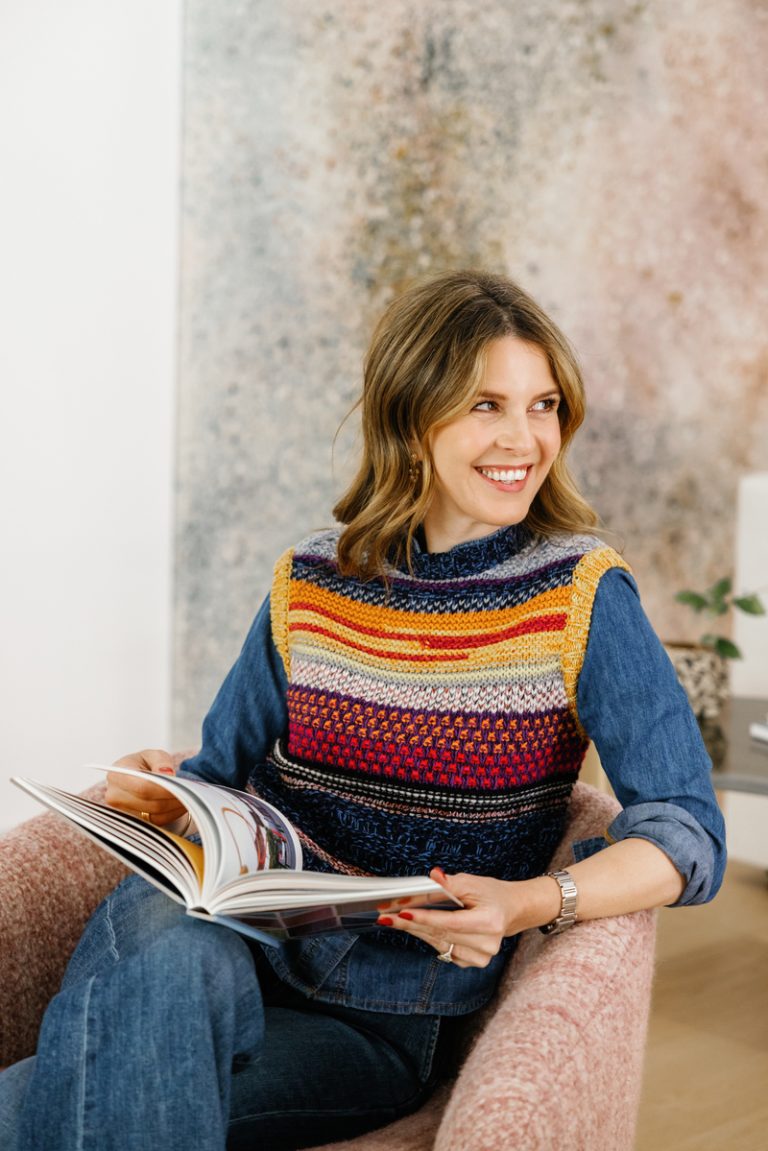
<point>514,435</point>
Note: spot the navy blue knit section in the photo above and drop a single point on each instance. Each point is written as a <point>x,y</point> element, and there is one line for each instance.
<point>466,595</point>
<point>385,842</point>
<point>470,557</point>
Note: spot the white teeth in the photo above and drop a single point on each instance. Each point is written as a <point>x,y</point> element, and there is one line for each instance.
<point>508,476</point>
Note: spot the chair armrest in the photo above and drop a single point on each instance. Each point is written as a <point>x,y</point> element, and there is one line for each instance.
<point>559,1061</point>
<point>51,879</point>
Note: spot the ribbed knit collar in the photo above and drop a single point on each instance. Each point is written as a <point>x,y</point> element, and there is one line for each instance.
<point>471,557</point>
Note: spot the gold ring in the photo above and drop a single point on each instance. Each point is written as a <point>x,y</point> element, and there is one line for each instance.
<point>146,815</point>
<point>447,956</point>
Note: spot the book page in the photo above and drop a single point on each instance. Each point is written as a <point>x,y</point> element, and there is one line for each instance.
<point>314,915</point>
<point>253,837</point>
<point>241,834</point>
<point>193,852</point>
<point>293,890</point>
<point>142,846</point>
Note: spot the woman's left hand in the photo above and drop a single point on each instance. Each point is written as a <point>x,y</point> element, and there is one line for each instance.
<point>491,911</point>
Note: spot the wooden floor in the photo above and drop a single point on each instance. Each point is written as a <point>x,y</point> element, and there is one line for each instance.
<point>706,1072</point>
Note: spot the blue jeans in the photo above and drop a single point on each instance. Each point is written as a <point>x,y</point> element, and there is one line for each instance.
<point>171,1032</point>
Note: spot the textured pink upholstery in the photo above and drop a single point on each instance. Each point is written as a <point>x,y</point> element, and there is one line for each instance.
<point>51,879</point>
<point>556,1063</point>
<point>558,1060</point>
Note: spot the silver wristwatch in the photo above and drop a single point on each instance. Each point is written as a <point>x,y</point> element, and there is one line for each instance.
<point>569,896</point>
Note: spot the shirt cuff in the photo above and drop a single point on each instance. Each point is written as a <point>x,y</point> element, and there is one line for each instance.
<point>681,837</point>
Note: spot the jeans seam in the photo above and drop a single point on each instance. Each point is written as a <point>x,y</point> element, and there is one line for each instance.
<point>113,948</point>
<point>428,985</point>
<point>428,1059</point>
<point>83,1089</point>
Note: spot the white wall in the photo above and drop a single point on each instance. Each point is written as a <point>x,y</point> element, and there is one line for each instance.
<point>89,137</point>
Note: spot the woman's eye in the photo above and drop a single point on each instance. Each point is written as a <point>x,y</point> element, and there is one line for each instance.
<point>484,406</point>
<point>550,404</point>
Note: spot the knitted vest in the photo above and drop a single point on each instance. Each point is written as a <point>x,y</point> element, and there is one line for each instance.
<point>434,722</point>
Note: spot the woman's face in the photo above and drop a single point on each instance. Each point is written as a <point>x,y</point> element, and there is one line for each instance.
<point>490,461</point>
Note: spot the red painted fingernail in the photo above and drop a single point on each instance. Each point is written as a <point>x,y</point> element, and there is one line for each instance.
<point>405,915</point>
<point>385,921</point>
<point>406,900</point>
<point>440,871</point>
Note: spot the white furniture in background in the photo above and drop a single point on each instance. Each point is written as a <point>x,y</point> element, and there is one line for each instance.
<point>749,676</point>
<point>747,814</point>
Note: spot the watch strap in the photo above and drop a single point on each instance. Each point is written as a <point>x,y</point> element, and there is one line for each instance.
<point>569,897</point>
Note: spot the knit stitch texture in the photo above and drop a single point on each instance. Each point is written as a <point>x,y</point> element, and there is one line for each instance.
<point>434,720</point>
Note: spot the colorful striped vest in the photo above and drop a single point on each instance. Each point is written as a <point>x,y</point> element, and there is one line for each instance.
<point>434,722</point>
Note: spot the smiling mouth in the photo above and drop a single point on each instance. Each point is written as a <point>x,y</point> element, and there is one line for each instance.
<point>506,476</point>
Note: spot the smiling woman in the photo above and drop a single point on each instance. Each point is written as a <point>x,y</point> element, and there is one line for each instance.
<point>434,351</point>
<point>419,688</point>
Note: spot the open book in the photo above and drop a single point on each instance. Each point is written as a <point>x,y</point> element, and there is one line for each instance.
<point>246,872</point>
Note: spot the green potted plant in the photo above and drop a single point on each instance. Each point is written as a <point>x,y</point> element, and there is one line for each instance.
<point>702,667</point>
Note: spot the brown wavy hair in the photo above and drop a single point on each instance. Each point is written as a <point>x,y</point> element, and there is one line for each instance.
<point>425,362</point>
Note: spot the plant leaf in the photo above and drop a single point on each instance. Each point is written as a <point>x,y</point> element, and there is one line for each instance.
<point>721,589</point>
<point>751,604</point>
<point>727,649</point>
<point>693,599</point>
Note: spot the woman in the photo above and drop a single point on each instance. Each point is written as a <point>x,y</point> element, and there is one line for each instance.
<point>417,694</point>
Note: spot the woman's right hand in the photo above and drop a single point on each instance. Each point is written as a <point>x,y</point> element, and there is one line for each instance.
<point>140,797</point>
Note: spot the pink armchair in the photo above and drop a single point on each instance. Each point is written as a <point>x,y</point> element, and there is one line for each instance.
<point>556,1062</point>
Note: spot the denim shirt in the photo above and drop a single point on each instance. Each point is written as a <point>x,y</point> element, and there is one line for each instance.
<point>630,704</point>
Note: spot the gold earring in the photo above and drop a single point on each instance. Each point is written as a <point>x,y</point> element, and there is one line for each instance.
<point>413,470</point>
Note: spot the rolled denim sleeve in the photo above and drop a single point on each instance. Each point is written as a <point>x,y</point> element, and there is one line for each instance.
<point>248,714</point>
<point>631,705</point>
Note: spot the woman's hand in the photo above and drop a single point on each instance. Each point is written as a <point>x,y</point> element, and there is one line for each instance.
<point>144,798</point>
<point>626,876</point>
<point>493,909</point>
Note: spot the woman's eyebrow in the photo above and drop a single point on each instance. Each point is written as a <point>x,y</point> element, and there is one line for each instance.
<point>485,394</point>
